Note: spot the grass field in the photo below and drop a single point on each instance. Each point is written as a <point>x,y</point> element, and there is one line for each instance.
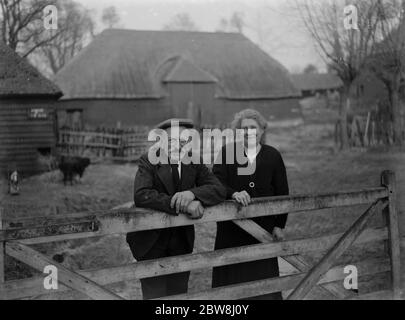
<point>313,165</point>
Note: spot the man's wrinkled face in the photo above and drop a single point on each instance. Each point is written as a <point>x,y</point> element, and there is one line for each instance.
<point>176,143</point>
<point>252,131</point>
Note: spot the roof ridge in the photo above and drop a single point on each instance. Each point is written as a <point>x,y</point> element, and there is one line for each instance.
<point>181,60</point>
<point>169,31</point>
<point>124,62</point>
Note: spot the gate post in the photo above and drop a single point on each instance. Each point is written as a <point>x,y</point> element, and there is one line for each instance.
<point>390,213</point>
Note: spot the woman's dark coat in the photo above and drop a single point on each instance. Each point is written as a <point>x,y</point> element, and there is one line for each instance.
<point>270,179</point>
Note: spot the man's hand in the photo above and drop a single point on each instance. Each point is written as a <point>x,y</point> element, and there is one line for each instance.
<point>195,210</point>
<point>181,201</point>
<point>242,197</point>
<point>278,234</point>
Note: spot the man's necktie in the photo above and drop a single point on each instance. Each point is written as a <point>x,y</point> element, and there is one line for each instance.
<point>176,177</point>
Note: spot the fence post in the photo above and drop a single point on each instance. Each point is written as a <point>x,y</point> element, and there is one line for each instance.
<point>390,213</point>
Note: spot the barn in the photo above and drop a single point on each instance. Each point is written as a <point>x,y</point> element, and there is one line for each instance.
<point>27,115</point>
<point>128,77</point>
<point>311,84</point>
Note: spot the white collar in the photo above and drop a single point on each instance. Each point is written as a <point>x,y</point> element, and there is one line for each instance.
<point>251,154</point>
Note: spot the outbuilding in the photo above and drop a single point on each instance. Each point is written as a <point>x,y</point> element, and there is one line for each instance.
<point>27,115</point>
<point>312,84</point>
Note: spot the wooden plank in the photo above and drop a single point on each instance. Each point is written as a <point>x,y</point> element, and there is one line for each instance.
<point>26,129</point>
<point>47,221</point>
<point>388,180</point>
<point>137,144</point>
<point>27,140</point>
<point>297,261</point>
<point>64,237</point>
<point>47,134</point>
<point>18,108</point>
<point>88,134</point>
<point>168,265</point>
<point>378,295</point>
<point>21,122</point>
<point>88,144</point>
<point>69,278</point>
<point>255,288</point>
<point>128,158</point>
<point>337,250</point>
<point>138,219</point>
<point>22,149</point>
<point>68,229</point>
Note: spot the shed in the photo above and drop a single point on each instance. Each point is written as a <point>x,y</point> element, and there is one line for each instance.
<point>27,115</point>
<point>313,83</point>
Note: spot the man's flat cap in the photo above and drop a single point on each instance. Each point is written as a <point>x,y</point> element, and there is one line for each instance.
<point>187,123</point>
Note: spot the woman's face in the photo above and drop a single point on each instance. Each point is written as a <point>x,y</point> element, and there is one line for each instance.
<point>256,133</point>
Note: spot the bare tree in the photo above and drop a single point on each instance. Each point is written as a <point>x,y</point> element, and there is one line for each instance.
<point>78,31</point>
<point>260,27</point>
<point>346,50</point>
<point>236,22</point>
<point>22,26</point>
<point>110,17</point>
<point>310,68</point>
<point>295,69</point>
<point>388,61</point>
<point>223,25</point>
<point>181,22</point>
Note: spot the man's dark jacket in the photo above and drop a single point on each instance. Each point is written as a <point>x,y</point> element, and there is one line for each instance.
<point>154,189</point>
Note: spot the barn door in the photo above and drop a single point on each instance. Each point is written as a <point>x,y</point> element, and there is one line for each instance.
<point>192,100</point>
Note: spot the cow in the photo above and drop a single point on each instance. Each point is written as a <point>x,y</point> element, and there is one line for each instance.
<point>72,166</point>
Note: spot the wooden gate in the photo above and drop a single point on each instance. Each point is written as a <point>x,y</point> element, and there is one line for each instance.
<point>17,236</point>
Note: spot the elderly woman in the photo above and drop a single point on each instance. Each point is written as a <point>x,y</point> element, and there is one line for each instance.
<point>268,179</point>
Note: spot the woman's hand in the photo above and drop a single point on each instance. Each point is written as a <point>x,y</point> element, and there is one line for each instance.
<point>278,234</point>
<point>242,197</point>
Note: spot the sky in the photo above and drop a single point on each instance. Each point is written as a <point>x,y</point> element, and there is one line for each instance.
<point>272,24</point>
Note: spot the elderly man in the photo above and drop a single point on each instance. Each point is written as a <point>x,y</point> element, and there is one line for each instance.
<point>175,188</point>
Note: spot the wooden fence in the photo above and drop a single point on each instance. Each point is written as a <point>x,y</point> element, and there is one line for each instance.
<point>113,144</point>
<point>368,131</point>
<point>16,237</point>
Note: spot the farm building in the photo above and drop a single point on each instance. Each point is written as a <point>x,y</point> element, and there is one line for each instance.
<point>127,77</point>
<point>311,84</point>
<point>27,114</point>
<point>367,92</point>
<point>370,93</point>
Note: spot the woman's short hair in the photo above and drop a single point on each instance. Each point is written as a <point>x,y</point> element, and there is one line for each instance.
<point>251,114</point>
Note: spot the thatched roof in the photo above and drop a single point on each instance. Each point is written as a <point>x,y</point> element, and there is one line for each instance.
<point>316,81</point>
<point>133,64</point>
<point>19,78</point>
<point>186,71</point>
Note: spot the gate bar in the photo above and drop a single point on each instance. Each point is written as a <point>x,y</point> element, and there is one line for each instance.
<point>69,278</point>
<point>337,250</point>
